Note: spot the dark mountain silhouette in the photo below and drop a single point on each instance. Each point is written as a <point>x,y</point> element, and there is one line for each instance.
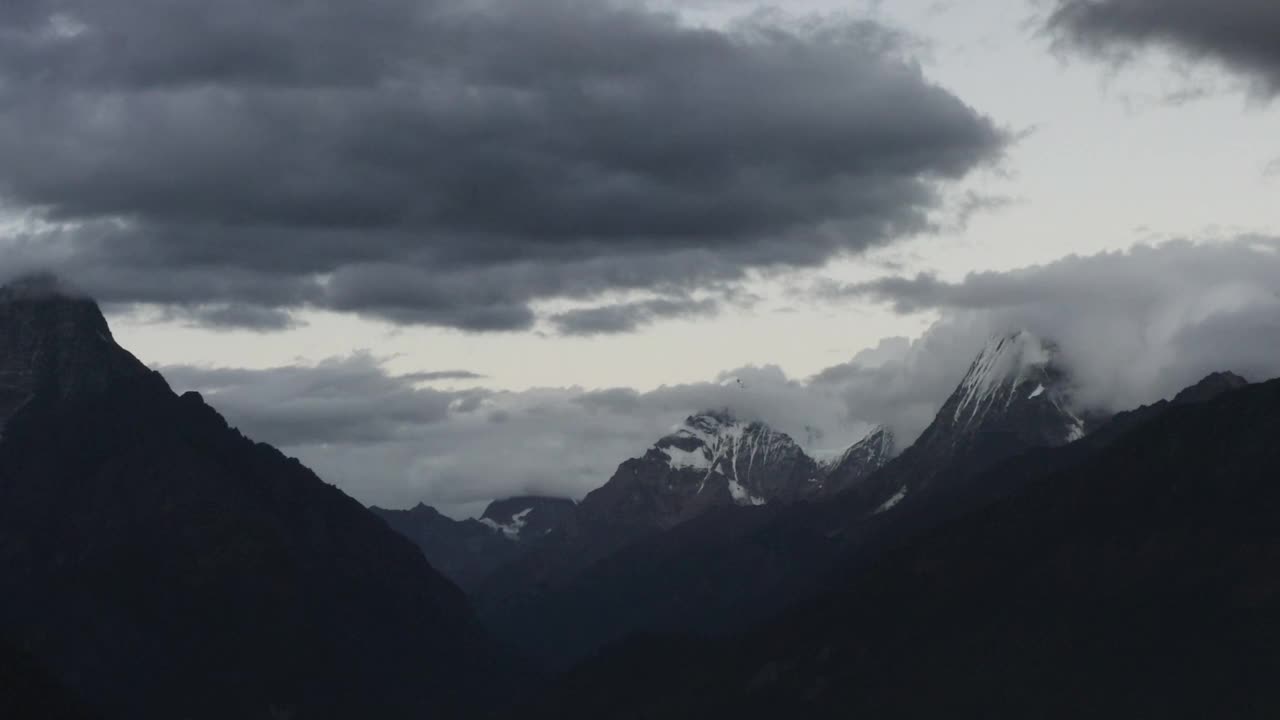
<point>468,551</point>
<point>161,565</point>
<point>1131,575</point>
<point>28,690</point>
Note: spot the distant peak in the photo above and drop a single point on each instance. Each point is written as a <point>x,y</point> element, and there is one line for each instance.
<point>1211,387</point>
<point>876,447</point>
<point>504,508</point>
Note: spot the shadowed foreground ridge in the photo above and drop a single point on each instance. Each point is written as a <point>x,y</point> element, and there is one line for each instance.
<point>1132,578</point>
<point>162,565</point>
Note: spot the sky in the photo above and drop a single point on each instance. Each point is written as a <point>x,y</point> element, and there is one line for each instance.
<point>450,251</point>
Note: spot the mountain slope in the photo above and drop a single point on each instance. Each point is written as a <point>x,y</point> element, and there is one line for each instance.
<point>162,565</point>
<point>1137,581</point>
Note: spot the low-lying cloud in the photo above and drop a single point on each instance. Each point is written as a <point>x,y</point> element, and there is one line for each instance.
<point>389,441</point>
<point>1133,327</point>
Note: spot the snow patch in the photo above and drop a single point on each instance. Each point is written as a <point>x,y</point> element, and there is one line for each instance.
<point>741,496</point>
<point>892,502</point>
<point>687,459</point>
<point>512,531</point>
<point>1036,393</point>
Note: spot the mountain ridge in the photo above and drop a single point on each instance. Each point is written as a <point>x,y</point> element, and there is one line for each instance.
<point>160,564</point>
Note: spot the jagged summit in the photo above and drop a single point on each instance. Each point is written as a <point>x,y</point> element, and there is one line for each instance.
<point>163,565</point>
<point>1016,396</point>
<point>1016,392</point>
<point>743,456</point>
<point>56,340</point>
<point>860,461</point>
<point>1015,368</point>
<point>1210,388</point>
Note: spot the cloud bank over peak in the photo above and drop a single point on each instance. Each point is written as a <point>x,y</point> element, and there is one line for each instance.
<point>1134,326</point>
<point>390,442</point>
<point>450,163</point>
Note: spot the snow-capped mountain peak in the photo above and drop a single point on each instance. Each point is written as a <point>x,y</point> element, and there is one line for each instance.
<point>719,444</point>
<point>1013,370</point>
<point>1003,366</point>
<point>861,460</point>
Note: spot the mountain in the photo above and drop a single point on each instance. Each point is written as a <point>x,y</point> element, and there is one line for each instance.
<point>527,518</point>
<point>860,461</point>
<point>1016,396</point>
<point>159,564</point>
<point>1210,388</point>
<point>1127,578</point>
<point>54,343</point>
<point>668,545</point>
<point>468,551</point>
<point>712,460</point>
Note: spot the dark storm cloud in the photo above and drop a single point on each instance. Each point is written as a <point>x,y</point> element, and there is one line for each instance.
<point>1240,34</point>
<point>442,375</point>
<point>447,163</point>
<point>626,317</point>
<point>238,317</point>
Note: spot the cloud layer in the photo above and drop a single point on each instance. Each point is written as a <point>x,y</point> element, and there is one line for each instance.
<point>389,441</point>
<point>1240,34</point>
<point>448,163</point>
<point>1133,327</point>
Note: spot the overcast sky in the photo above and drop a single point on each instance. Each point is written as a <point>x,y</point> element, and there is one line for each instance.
<point>447,250</point>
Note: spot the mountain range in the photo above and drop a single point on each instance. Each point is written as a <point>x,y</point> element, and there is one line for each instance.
<point>1021,558</point>
<point>1133,576</point>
